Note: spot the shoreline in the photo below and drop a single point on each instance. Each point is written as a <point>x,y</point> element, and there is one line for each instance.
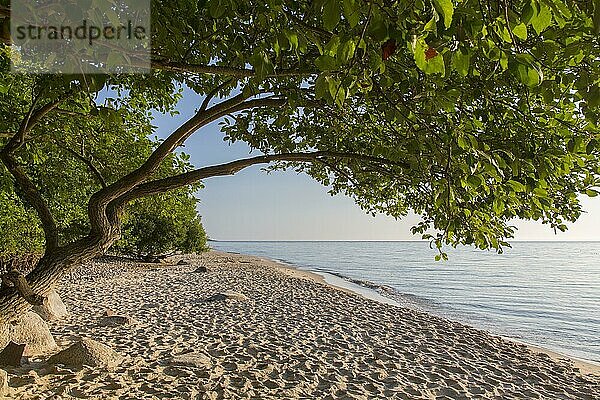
<point>222,325</point>
<point>590,367</point>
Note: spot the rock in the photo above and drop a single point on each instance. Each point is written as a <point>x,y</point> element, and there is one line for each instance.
<point>32,331</point>
<point>11,355</point>
<point>3,382</point>
<point>201,268</point>
<point>183,262</point>
<point>198,360</point>
<point>109,313</point>
<point>87,352</point>
<point>228,295</point>
<point>53,307</point>
<point>4,335</point>
<point>116,320</point>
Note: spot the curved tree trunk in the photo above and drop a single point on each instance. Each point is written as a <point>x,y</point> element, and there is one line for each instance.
<point>50,269</point>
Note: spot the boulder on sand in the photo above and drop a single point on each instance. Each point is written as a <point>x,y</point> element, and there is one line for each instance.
<point>193,359</point>
<point>87,352</point>
<point>12,354</point>
<point>32,331</point>
<point>3,382</point>
<point>4,335</point>
<point>53,307</point>
<point>116,320</point>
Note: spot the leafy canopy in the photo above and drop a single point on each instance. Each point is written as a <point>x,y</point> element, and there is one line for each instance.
<point>469,113</point>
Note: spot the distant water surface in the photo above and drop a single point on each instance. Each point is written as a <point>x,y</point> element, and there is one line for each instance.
<point>544,293</point>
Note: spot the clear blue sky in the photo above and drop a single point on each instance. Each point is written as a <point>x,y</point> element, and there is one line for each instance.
<point>286,206</point>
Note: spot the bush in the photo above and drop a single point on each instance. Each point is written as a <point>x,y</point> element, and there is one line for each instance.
<point>159,226</point>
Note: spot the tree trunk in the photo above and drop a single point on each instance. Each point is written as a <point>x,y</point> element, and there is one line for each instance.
<point>50,269</point>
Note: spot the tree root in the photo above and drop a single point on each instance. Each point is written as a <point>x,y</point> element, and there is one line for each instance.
<point>14,278</point>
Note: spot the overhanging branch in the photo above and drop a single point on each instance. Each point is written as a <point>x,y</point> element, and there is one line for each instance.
<point>225,71</point>
<point>188,178</point>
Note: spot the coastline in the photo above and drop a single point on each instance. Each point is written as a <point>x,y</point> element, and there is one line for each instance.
<point>223,325</point>
<point>585,366</point>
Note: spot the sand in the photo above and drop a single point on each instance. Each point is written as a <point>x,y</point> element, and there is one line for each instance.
<point>293,337</point>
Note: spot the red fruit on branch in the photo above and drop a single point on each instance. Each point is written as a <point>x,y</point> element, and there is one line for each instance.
<point>388,49</point>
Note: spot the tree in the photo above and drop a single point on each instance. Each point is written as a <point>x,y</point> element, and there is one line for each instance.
<point>470,114</point>
<point>162,225</point>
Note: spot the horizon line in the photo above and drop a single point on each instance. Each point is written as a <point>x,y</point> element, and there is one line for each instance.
<point>395,240</point>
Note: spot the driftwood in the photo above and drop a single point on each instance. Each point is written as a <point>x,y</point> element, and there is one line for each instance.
<point>11,355</point>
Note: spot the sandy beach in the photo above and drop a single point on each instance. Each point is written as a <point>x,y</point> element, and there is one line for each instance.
<point>274,333</point>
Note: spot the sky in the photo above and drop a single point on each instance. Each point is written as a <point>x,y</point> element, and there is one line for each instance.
<point>253,205</point>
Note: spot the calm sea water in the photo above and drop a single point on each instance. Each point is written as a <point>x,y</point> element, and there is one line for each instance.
<point>544,293</point>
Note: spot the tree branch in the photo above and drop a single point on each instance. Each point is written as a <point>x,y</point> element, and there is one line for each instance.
<point>177,181</point>
<point>34,116</point>
<point>225,71</point>
<point>174,140</point>
<point>33,197</point>
<point>30,191</point>
<point>86,161</point>
<point>212,93</point>
<point>98,203</point>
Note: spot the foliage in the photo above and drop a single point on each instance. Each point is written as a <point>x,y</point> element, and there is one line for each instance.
<point>162,225</point>
<point>69,164</point>
<point>20,231</point>
<point>469,113</point>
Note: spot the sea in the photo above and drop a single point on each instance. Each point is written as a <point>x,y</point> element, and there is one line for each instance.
<point>542,293</point>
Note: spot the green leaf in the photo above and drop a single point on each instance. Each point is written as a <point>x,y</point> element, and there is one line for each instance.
<point>326,63</point>
<point>528,75</point>
<point>346,51</point>
<point>527,13</point>
<point>433,65</point>
<point>596,17</point>
<point>474,181</point>
<point>322,87</point>
<point>516,186</point>
<point>352,12</point>
<point>461,62</point>
<point>591,193</point>
<point>216,9</point>
<point>292,38</point>
<point>378,28</point>
<point>520,31</point>
<point>505,34</point>
<point>331,14</point>
<point>262,65</point>
<point>446,9</point>
<point>543,19</point>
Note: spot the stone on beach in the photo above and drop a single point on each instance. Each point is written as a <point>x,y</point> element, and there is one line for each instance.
<point>201,268</point>
<point>116,320</point>
<point>227,295</point>
<point>12,353</point>
<point>87,352</point>
<point>53,307</point>
<point>3,382</point>
<point>193,359</point>
<point>31,330</point>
